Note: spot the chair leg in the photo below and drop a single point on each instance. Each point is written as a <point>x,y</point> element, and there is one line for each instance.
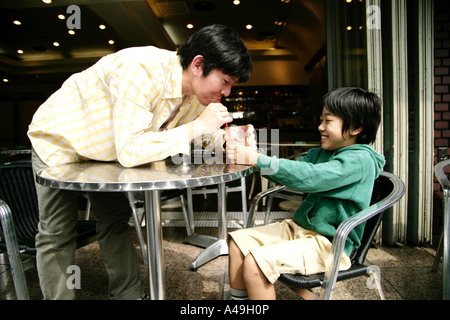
<point>268,209</point>
<point>244,201</point>
<point>439,253</point>
<point>374,281</point>
<point>88,210</point>
<point>189,216</point>
<point>15,261</point>
<point>188,220</point>
<point>137,225</point>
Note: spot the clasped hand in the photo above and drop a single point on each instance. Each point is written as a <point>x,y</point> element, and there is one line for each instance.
<point>241,145</point>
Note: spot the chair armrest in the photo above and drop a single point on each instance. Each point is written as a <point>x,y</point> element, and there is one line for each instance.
<point>256,201</point>
<point>12,247</point>
<point>342,232</point>
<point>440,174</point>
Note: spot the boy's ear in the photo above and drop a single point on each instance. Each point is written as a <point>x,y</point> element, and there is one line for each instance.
<point>355,132</point>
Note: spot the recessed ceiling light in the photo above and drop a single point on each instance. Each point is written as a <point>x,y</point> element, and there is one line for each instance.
<point>20,51</point>
<point>249,26</point>
<point>17,22</point>
<point>56,44</point>
<point>61,16</point>
<point>102,26</point>
<point>349,28</point>
<point>47,1</point>
<point>111,41</point>
<point>5,80</point>
<point>71,32</point>
<point>189,26</point>
<point>236,2</point>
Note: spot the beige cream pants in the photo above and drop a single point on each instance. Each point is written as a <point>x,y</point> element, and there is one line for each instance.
<point>286,247</point>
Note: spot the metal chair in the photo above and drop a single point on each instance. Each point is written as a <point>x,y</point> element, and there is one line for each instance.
<point>196,191</point>
<point>19,216</point>
<point>443,248</point>
<point>387,190</point>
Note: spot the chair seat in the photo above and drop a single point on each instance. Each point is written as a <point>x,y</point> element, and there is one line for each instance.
<point>316,280</point>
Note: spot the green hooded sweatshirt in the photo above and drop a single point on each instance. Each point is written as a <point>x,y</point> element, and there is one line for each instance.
<point>338,183</point>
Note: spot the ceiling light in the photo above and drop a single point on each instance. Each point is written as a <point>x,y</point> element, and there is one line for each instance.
<point>102,26</point>
<point>349,28</point>
<point>5,80</point>
<point>236,2</point>
<point>47,1</point>
<point>249,26</point>
<point>20,51</point>
<point>189,26</point>
<point>17,22</point>
<point>56,44</point>
<point>61,16</point>
<point>111,41</point>
<point>71,32</point>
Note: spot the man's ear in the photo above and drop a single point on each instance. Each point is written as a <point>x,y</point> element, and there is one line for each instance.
<point>197,65</point>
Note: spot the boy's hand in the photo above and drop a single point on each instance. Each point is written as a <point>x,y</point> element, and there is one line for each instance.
<point>241,154</point>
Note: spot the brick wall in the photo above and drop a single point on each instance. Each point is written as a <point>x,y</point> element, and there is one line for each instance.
<point>441,98</point>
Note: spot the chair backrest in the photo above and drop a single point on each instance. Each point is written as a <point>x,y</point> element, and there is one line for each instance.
<point>382,187</point>
<point>18,190</point>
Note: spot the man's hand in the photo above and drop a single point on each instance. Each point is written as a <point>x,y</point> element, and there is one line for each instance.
<point>212,118</point>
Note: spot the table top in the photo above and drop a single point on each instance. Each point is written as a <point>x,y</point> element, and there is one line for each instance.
<point>158,175</point>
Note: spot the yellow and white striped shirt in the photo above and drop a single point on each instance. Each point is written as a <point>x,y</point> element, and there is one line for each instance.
<point>114,110</point>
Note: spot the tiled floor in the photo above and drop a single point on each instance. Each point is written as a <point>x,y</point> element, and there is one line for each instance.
<point>405,270</point>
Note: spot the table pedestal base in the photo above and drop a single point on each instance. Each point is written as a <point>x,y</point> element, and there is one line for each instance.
<point>214,248</point>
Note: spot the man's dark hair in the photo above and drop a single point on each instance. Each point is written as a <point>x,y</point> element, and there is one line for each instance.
<point>358,108</point>
<point>221,49</point>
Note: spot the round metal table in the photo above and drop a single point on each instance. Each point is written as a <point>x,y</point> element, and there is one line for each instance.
<point>92,176</point>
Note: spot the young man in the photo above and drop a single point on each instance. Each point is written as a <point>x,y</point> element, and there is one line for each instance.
<point>338,178</point>
<point>135,106</point>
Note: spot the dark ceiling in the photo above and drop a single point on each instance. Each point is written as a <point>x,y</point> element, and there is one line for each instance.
<point>282,29</point>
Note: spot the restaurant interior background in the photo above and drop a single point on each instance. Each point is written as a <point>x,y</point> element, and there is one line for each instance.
<point>300,50</point>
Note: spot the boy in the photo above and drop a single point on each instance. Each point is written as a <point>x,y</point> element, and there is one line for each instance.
<point>338,178</point>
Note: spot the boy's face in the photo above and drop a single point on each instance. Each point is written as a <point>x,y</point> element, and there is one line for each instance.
<point>213,87</point>
<point>330,129</point>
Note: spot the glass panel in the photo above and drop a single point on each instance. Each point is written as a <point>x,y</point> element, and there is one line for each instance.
<point>346,43</point>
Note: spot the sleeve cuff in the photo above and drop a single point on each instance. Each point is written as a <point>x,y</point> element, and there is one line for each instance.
<point>267,165</point>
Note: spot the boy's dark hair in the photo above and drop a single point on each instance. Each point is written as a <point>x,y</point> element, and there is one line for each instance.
<point>221,49</point>
<point>358,108</point>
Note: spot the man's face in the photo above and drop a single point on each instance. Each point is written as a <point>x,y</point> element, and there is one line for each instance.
<point>213,87</point>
